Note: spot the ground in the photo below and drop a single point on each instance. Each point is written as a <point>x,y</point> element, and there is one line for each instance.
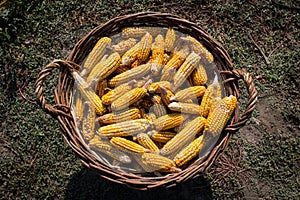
<point>262,159</point>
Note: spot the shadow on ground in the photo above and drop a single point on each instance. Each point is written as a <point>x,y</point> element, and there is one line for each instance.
<point>86,184</point>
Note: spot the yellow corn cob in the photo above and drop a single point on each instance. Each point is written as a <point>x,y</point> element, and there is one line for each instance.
<point>166,95</point>
<point>105,68</point>
<point>166,58</point>
<point>161,136</point>
<point>117,92</point>
<point>79,108</point>
<point>170,39</point>
<point>189,152</point>
<point>189,108</point>
<point>100,88</point>
<point>187,120</point>
<point>159,163</point>
<point>133,32</point>
<point>144,47</point>
<point>135,64</point>
<point>174,63</point>
<point>138,159</point>
<point>155,87</point>
<point>193,92</point>
<point>126,128</point>
<point>123,45</point>
<point>220,115</point>
<point>96,54</point>
<point>157,56</point>
<point>216,121</point>
<point>184,137</point>
<point>121,69</point>
<point>88,94</point>
<point>158,106</point>
<point>131,55</point>
<point>128,98</point>
<point>110,118</point>
<point>168,121</point>
<point>144,140</point>
<point>97,144</point>
<point>127,145</point>
<point>198,48</point>
<point>185,70</point>
<point>134,73</point>
<point>88,121</point>
<point>199,76</point>
<point>140,31</point>
<point>212,92</point>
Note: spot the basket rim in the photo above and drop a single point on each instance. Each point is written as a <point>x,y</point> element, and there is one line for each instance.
<point>63,96</point>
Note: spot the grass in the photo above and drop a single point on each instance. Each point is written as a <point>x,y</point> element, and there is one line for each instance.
<point>261,37</point>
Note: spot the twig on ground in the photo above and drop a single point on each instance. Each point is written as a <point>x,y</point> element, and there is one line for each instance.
<point>267,61</point>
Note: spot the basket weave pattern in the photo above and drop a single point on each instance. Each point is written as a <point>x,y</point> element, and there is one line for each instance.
<point>63,97</point>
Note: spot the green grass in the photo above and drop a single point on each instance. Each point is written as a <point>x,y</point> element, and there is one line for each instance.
<point>37,164</point>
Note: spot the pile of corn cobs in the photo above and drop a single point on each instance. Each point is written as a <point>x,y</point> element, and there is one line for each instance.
<point>144,102</point>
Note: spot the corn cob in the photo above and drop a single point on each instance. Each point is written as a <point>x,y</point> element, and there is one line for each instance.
<point>199,76</point>
<point>162,136</point>
<point>144,140</point>
<point>198,48</point>
<point>155,87</point>
<point>139,31</point>
<point>138,159</point>
<point>117,92</point>
<point>88,94</point>
<point>127,145</point>
<point>121,69</point>
<point>187,120</point>
<point>125,128</point>
<point>170,39</point>
<point>110,118</point>
<point>189,152</point>
<point>134,73</point>
<point>175,62</point>
<point>212,92</point>
<point>131,55</point>
<point>105,68</point>
<point>79,108</point>
<point>185,70</point>
<point>123,45</point>
<point>88,122</point>
<point>96,54</point>
<point>100,88</point>
<point>216,121</point>
<point>168,121</point>
<point>185,136</point>
<point>189,108</point>
<point>220,115</point>
<point>166,58</point>
<point>166,95</point>
<point>97,144</point>
<point>129,98</point>
<point>158,106</point>
<point>193,92</point>
<point>144,47</point>
<point>135,64</point>
<point>159,163</point>
<point>157,56</point>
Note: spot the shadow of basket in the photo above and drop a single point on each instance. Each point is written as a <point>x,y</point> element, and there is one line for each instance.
<point>86,184</point>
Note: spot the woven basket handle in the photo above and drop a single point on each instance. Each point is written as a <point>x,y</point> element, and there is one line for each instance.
<point>252,99</point>
<point>39,86</point>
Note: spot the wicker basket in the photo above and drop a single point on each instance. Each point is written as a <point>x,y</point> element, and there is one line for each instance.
<point>63,97</point>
